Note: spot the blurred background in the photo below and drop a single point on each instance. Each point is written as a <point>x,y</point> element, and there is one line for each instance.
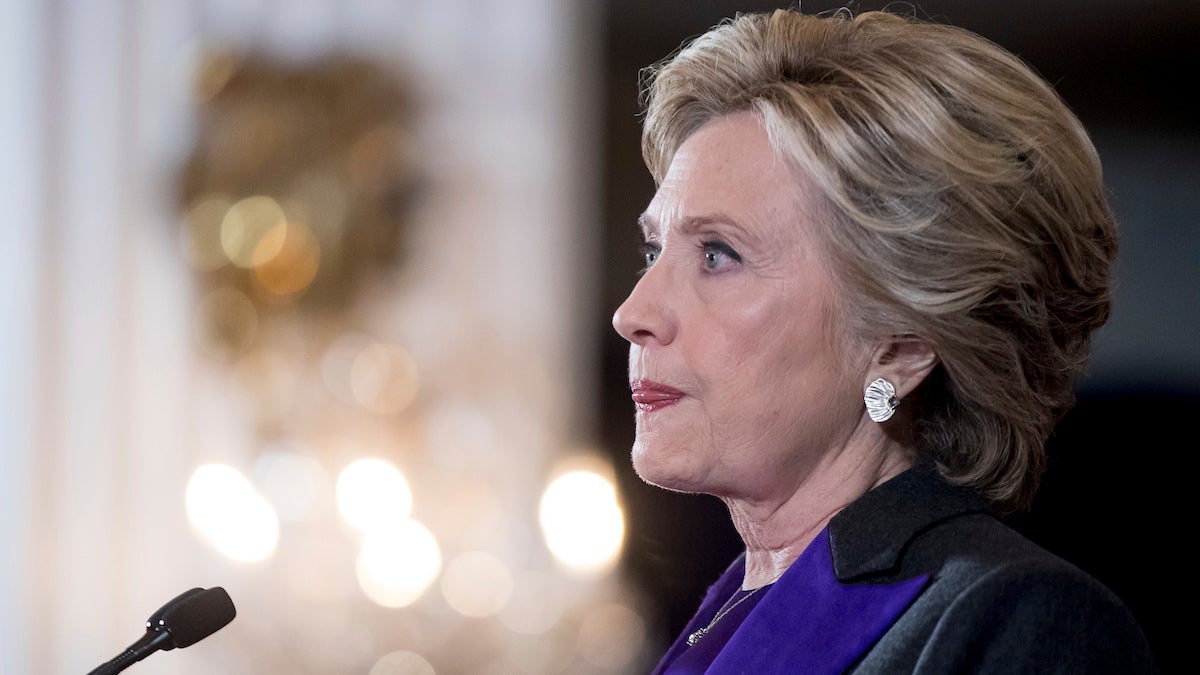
<point>311,301</point>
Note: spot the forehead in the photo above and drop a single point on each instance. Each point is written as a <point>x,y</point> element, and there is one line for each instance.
<point>729,170</point>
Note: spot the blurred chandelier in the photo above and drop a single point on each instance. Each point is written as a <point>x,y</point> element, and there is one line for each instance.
<point>294,204</point>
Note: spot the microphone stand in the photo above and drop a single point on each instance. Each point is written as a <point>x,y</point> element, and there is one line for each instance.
<point>149,643</point>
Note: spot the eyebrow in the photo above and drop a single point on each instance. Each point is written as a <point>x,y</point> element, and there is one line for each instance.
<point>688,225</point>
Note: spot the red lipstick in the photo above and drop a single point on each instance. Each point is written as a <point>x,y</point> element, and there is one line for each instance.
<point>649,395</point>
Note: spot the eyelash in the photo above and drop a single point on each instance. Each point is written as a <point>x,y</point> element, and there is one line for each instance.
<point>706,248</point>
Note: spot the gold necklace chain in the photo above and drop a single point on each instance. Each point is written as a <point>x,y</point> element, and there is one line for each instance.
<point>725,609</point>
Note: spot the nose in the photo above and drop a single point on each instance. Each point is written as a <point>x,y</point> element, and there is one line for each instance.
<point>646,315</point>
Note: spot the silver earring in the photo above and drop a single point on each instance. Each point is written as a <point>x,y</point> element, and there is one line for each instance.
<point>881,400</point>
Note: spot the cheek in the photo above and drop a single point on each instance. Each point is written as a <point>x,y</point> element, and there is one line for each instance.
<point>771,353</point>
<point>731,324</point>
<point>760,328</point>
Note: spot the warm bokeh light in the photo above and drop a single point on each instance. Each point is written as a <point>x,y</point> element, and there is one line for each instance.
<point>291,481</point>
<point>372,493</point>
<point>582,521</point>
<point>246,226</point>
<point>397,563</point>
<point>402,663</point>
<point>224,507</point>
<point>200,236</point>
<point>207,495</point>
<point>611,636</point>
<point>477,584</point>
<point>384,378</point>
<point>290,255</point>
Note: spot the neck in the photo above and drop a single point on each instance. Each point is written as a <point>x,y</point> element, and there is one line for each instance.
<point>776,529</point>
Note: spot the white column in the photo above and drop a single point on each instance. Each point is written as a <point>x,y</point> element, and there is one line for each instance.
<point>85,454</point>
<point>20,165</point>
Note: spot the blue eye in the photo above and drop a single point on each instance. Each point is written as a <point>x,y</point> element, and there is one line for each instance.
<point>649,255</point>
<point>718,255</point>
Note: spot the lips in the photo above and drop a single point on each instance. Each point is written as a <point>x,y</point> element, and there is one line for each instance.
<point>649,396</point>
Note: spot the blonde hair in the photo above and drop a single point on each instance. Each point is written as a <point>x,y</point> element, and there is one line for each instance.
<point>963,204</point>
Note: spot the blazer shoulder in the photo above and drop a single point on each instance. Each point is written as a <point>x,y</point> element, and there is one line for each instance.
<point>1007,605</point>
<point>972,543</point>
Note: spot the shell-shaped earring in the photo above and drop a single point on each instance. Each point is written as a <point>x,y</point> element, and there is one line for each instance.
<point>881,400</point>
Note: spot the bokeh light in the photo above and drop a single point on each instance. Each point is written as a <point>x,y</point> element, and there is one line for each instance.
<point>291,481</point>
<point>200,236</point>
<point>397,563</point>
<point>477,584</point>
<point>372,493</point>
<point>402,663</point>
<point>582,521</point>
<point>383,378</point>
<point>246,227</point>
<point>225,508</point>
<point>290,258</point>
<point>611,636</point>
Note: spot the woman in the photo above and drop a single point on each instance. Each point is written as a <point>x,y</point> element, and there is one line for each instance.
<point>873,264</point>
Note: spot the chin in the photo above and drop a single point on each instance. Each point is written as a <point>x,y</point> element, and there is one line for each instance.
<point>664,468</point>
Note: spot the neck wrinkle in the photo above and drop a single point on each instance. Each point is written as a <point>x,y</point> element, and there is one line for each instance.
<point>776,535</point>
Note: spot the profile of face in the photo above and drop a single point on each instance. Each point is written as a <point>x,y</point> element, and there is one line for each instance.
<point>742,377</point>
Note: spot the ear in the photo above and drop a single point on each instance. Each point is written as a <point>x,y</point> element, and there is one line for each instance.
<point>903,360</point>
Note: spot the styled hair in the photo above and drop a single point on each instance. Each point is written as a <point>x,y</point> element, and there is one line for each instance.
<point>962,204</point>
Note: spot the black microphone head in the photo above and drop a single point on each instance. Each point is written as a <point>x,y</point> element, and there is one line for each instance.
<point>197,616</point>
<point>154,623</point>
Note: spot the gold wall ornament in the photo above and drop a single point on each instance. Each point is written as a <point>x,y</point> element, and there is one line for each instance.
<point>298,186</point>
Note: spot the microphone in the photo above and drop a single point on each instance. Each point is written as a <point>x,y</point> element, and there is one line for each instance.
<point>156,619</point>
<point>185,620</point>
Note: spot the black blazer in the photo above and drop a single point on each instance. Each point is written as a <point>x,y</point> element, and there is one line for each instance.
<point>995,602</point>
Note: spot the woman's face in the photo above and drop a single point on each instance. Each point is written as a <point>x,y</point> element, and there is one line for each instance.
<point>740,374</point>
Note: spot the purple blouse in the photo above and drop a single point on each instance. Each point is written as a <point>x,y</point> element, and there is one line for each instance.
<point>807,621</point>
